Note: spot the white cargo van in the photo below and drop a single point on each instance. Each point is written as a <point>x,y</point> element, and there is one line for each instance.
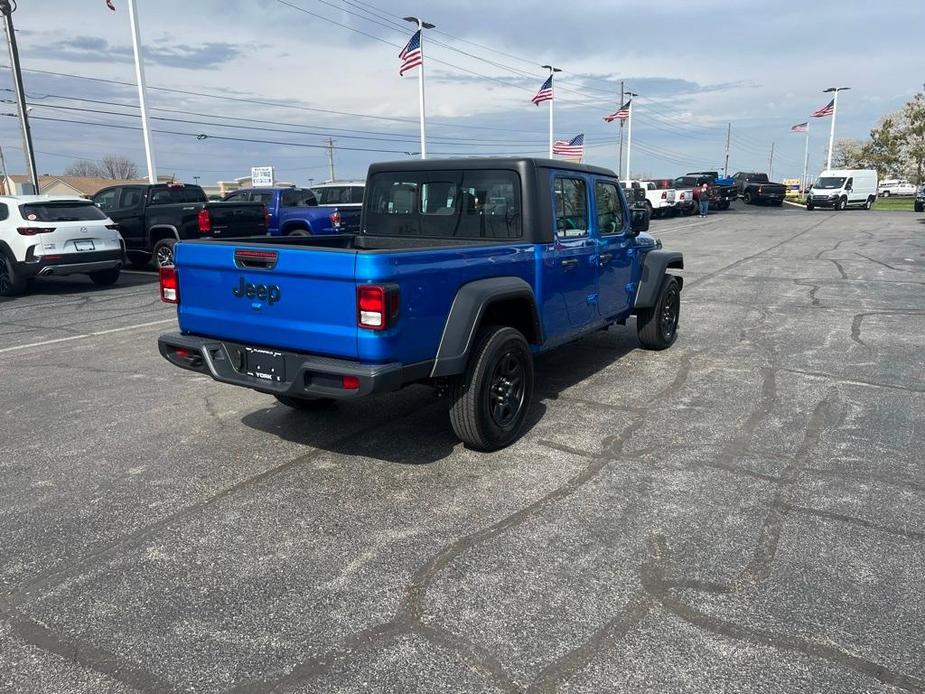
<point>841,188</point>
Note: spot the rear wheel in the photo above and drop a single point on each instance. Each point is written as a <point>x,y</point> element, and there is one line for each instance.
<point>11,284</point>
<point>489,403</point>
<point>105,278</point>
<point>163,253</point>
<point>304,404</point>
<point>658,326</point>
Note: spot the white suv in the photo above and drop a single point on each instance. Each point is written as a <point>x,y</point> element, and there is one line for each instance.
<point>895,187</point>
<point>42,235</point>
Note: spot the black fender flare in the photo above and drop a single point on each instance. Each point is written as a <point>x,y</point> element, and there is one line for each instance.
<point>654,266</point>
<point>154,231</point>
<point>466,313</point>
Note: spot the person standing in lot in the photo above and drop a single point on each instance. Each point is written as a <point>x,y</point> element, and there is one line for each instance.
<point>704,200</point>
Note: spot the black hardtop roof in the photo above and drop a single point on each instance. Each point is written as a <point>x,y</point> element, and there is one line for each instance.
<point>516,163</point>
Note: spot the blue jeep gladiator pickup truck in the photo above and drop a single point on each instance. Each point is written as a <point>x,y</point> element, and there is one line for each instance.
<point>296,212</point>
<point>462,271</point>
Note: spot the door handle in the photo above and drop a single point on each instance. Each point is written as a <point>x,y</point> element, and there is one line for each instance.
<point>570,263</point>
<point>606,258</point>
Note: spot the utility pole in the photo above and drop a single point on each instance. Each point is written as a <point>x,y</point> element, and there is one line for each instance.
<point>7,10</point>
<point>771,164</point>
<point>620,105</point>
<point>331,157</point>
<point>728,138</point>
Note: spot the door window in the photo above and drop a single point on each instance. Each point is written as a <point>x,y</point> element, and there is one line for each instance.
<point>107,199</point>
<point>571,199</point>
<point>609,209</point>
<point>130,197</point>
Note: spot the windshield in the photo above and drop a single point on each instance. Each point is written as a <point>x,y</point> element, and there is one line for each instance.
<point>70,211</point>
<point>829,182</point>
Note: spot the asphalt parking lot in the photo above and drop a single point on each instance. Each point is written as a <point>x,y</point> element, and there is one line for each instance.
<point>744,512</point>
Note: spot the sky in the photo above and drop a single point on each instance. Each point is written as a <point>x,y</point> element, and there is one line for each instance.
<point>267,82</point>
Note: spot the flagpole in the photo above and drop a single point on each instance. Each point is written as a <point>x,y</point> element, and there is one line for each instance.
<point>140,79</point>
<point>552,86</point>
<point>629,132</point>
<point>805,160</point>
<point>828,163</point>
<point>422,25</point>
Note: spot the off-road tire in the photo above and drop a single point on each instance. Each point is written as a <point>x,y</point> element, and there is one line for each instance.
<point>11,284</point>
<point>476,404</point>
<point>657,326</point>
<point>105,278</point>
<point>304,404</point>
<point>163,250</point>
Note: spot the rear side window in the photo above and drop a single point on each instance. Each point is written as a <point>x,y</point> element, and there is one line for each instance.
<point>70,211</point>
<point>452,204</point>
<point>571,195</point>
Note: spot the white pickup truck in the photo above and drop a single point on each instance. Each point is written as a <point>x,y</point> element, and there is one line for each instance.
<point>660,202</point>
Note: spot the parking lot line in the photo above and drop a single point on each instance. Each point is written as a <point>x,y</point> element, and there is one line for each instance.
<point>71,338</point>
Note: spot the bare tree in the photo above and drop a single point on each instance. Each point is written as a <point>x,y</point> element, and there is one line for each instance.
<point>120,168</point>
<point>82,168</point>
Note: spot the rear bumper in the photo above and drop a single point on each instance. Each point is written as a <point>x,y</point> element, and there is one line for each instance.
<point>70,263</point>
<point>306,375</point>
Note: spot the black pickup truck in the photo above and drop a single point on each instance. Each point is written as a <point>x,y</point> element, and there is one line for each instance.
<point>723,191</point>
<point>756,188</point>
<point>152,218</point>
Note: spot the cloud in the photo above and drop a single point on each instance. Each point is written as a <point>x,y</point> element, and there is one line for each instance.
<point>94,49</point>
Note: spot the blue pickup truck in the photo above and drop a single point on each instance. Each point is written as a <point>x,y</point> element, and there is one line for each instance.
<point>296,212</point>
<point>461,272</point>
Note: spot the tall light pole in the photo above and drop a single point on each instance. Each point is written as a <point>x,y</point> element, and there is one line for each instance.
<point>552,71</point>
<point>828,162</point>
<point>629,133</point>
<point>7,9</point>
<point>421,24</point>
<point>142,101</point>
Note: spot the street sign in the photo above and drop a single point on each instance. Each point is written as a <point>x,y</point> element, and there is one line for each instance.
<point>262,176</point>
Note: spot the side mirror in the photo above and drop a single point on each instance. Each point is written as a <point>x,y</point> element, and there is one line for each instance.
<point>639,221</point>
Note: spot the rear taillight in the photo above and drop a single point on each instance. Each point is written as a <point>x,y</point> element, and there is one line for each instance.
<point>377,306</point>
<point>32,231</point>
<point>335,219</point>
<point>204,219</point>
<point>664,195</point>
<point>170,285</point>
<point>114,227</point>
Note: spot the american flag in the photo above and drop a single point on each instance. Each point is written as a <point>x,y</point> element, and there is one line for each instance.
<point>545,92</point>
<point>826,110</point>
<point>620,114</point>
<point>570,148</point>
<point>411,55</point>
<point>800,128</point>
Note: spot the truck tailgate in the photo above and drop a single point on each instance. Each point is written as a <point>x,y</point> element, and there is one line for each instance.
<point>303,299</point>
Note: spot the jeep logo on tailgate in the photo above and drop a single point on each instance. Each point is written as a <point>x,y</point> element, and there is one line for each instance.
<point>268,292</point>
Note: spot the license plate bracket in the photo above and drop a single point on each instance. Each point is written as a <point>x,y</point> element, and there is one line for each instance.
<point>265,364</point>
<point>84,245</point>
